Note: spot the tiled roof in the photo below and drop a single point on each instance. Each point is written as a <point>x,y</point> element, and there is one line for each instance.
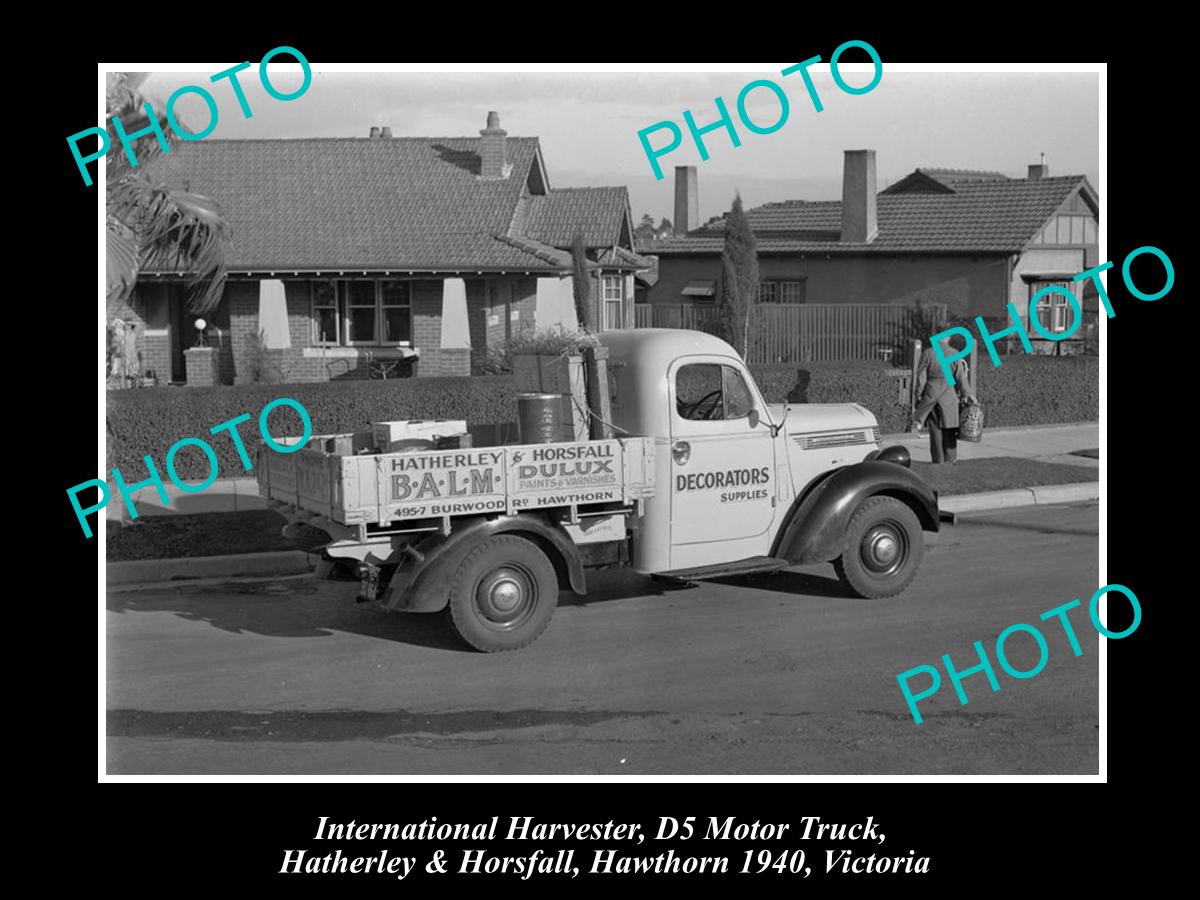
<point>554,218</point>
<point>369,203</point>
<point>998,216</point>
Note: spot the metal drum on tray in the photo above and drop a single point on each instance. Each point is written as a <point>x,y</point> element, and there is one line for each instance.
<point>544,418</point>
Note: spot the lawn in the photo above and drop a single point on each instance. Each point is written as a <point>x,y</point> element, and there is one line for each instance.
<point>207,534</point>
<point>1000,472</point>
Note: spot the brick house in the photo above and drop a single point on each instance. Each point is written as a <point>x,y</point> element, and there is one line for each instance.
<point>974,241</point>
<point>349,254</point>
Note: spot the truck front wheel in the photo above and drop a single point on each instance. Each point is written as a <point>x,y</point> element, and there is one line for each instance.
<point>882,548</point>
<point>503,594</point>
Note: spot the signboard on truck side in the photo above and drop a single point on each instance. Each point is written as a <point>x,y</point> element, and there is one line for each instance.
<point>387,487</point>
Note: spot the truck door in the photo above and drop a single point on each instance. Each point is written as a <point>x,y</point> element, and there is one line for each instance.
<point>722,464</point>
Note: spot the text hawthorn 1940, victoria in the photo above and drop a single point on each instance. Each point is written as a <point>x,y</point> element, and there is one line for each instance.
<point>607,860</point>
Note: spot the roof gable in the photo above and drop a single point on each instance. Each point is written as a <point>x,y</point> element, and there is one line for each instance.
<point>600,213</point>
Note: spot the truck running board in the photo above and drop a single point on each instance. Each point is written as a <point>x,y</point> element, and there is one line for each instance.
<point>752,566</point>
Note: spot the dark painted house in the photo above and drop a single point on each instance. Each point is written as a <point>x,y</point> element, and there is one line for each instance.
<point>350,254</point>
<point>974,241</point>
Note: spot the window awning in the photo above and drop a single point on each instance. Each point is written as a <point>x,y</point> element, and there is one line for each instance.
<point>700,289</point>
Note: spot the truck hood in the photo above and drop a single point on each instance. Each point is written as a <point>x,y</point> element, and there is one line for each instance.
<point>808,417</point>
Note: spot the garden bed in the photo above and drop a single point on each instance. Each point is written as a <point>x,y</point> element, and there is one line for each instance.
<point>998,473</point>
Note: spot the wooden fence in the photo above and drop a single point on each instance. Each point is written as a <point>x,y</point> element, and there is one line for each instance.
<point>811,332</point>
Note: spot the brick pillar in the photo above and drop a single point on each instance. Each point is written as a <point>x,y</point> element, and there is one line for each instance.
<point>201,366</point>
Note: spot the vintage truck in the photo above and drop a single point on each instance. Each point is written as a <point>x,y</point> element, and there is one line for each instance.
<point>702,480</point>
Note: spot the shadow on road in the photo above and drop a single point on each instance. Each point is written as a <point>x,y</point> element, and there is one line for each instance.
<point>788,582</point>
<point>1039,527</point>
<point>307,608</point>
<point>290,609</point>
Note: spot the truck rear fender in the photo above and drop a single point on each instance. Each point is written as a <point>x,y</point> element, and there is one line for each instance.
<point>817,521</point>
<point>423,585</point>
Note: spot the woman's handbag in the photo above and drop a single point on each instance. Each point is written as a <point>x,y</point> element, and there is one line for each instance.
<point>970,421</point>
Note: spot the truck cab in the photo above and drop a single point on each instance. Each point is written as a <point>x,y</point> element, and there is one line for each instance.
<point>747,486</point>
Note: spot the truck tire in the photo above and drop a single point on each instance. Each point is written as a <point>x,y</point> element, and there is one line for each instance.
<point>882,549</point>
<point>503,594</point>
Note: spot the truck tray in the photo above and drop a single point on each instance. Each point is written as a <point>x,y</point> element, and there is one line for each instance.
<point>384,488</point>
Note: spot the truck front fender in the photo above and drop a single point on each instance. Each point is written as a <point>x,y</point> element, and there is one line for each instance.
<point>422,582</point>
<point>817,520</point>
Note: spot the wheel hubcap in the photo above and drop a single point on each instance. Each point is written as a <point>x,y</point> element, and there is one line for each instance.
<point>505,597</point>
<point>884,548</point>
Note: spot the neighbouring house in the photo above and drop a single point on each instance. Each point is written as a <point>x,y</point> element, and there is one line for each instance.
<point>354,254</point>
<point>973,241</point>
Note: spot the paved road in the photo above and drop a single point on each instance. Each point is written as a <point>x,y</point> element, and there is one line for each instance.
<point>776,675</point>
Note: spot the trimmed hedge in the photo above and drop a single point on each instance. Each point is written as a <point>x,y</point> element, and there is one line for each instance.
<point>148,422</point>
<point>1038,390</point>
<point>1025,390</point>
<point>854,381</point>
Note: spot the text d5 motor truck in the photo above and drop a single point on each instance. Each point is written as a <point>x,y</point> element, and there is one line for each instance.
<point>704,480</point>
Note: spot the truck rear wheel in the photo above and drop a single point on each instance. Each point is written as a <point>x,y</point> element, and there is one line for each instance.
<point>882,548</point>
<point>503,594</point>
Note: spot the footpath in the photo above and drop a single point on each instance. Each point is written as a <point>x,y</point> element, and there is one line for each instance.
<point>1040,443</point>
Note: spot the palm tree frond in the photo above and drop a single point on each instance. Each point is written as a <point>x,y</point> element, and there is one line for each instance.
<point>121,251</point>
<point>177,230</point>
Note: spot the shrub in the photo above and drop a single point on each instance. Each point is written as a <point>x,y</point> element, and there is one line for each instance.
<point>552,341</point>
<point>1039,390</point>
<point>1025,390</point>
<point>148,422</point>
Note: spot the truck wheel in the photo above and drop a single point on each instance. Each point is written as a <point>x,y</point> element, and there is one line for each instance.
<point>882,548</point>
<point>503,594</point>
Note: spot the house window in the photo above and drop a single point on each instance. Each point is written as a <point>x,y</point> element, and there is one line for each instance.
<point>1053,310</point>
<point>326,320</point>
<point>781,292</point>
<point>614,302</point>
<point>363,312</point>
<point>395,312</point>
<point>700,292</point>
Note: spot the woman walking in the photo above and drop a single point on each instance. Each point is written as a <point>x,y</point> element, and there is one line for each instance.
<point>938,406</point>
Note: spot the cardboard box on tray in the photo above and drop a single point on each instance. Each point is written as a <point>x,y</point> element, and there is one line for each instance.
<point>348,444</point>
<point>387,433</point>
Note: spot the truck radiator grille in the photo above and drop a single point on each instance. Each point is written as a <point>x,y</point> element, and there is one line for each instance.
<point>823,440</point>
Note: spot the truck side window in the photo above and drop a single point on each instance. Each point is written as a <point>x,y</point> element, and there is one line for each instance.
<point>737,395</point>
<point>710,391</point>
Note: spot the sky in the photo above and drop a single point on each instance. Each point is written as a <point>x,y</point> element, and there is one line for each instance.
<point>588,123</point>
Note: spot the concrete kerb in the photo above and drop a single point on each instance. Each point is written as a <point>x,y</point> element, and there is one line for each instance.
<point>237,565</point>
<point>1042,495</point>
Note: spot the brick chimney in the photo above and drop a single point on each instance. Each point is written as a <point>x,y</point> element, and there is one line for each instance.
<point>1041,170</point>
<point>386,131</point>
<point>860,222</point>
<point>493,158</point>
<point>374,131</point>
<point>687,200</point>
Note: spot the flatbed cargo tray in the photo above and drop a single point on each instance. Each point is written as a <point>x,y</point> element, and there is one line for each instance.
<point>386,488</point>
